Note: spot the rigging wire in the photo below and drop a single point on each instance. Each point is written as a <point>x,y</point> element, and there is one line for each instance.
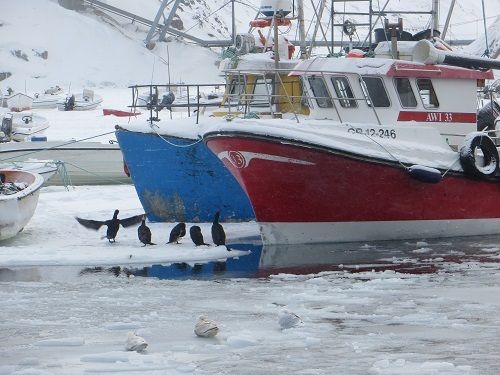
<point>487,50</point>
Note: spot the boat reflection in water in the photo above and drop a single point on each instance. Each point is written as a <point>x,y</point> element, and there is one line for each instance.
<point>263,261</point>
<point>398,256</point>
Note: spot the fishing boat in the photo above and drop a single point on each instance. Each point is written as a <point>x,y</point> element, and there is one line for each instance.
<point>19,102</point>
<point>85,101</point>
<point>22,126</point>
<point>19,191</point>
<point>175,175</point>
<point>392,149</point>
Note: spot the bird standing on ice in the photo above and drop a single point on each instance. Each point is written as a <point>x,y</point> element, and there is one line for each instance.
<point>144,233</point>
<point>218,234</point>
<point>135,343</point>
<point>197,236</point>
<point>113,224</point>
<point>177,233</point>
<point>205,327</point>
<point>288,319</point>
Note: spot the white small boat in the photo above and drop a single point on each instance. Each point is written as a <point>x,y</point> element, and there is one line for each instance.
<point>19,191</point>
<point>21,127</point>
<point>46,168</point>
<point>80,102</point>
<point>80,163</point>
<point>19,102</point>
<point>45,101</point>
<point>56,90</point>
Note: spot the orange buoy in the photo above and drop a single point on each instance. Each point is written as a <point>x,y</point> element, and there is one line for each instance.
<point>356,54</point>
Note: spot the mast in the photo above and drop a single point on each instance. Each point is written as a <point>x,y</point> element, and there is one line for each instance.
<point>435,16</point>
<point>302,29</point>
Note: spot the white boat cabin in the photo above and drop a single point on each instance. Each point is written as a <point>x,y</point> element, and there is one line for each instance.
<point>385,91</point>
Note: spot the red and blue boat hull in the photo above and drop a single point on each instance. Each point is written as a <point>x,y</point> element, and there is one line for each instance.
<point>179,179</point>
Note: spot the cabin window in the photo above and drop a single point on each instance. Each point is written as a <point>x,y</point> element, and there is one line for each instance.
<point>375,92</point>
<point>427,93</point>
<point>262,91</point>
<point>344,92</point>
<point>405,92</point>
<point>304,98</point>
<point>236,89</point>
<point>320,92</point>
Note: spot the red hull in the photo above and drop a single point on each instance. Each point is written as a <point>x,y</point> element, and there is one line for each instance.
<point>335,187</point>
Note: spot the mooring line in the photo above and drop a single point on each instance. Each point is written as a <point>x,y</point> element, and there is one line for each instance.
<point>52,148</point>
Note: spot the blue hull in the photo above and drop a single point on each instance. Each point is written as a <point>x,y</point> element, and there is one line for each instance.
<point>178,181</point>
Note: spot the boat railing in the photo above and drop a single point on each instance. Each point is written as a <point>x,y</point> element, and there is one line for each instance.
<point>191,98</point>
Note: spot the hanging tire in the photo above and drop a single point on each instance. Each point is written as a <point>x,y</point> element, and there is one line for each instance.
<point>473,166</point>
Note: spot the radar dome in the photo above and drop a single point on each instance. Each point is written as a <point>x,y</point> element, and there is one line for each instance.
<point>271,7</point>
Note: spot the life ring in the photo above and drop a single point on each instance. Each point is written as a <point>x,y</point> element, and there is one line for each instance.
<point>472,166</point>
<point>259,22</point>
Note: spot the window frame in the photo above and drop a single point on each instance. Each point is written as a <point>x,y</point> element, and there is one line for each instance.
<point>399,93</point>
<point>432,96</point>
<point>267,94</point>
<point>345,94</point>
<point>366,92</point>
<point>326,99</point>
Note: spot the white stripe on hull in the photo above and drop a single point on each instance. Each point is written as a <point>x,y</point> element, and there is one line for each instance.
<point>301,233</point>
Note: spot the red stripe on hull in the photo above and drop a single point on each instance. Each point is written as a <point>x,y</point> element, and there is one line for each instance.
<point>335,188</point>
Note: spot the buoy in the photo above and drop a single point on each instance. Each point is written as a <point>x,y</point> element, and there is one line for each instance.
<point>356,53</point>
<point>425,174</point>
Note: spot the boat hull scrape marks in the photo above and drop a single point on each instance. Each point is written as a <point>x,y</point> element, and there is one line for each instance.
<point>164,207</point>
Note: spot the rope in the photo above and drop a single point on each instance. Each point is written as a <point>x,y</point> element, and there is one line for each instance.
<point>63,173</point>
<point>404,166</point>
<point>251,115</point>
<point>173,144</point>
<point>61,165</point>
<point>92,173</point>
<point>52,148</point>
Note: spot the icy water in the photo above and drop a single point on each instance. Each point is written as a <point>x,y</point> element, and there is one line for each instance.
<point>377,308</point>
<point>263,261</point>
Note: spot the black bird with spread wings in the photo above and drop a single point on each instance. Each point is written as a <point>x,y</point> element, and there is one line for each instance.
<point>144,233</point>
<point>112,224</point>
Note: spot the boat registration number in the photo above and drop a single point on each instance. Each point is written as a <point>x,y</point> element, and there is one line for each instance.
<point>372,132</point>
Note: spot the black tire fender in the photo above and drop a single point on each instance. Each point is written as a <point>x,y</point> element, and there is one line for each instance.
<point>468,155</point>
